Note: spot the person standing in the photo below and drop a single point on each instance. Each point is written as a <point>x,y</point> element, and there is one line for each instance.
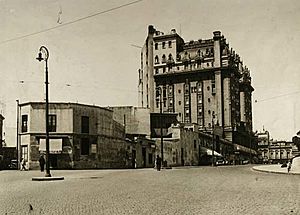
<point>42,163</point>
<point>158,163</point>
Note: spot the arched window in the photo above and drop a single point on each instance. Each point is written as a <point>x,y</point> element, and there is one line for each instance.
<point>163,45</point>
<point>163,59</point>
<point>170,44</point>
<point>170,57</point>
<point>156,60</point>
<point>156,46</point>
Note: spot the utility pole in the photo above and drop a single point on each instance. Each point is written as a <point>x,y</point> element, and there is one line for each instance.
<point>18,154</point>
<point>161,128</point>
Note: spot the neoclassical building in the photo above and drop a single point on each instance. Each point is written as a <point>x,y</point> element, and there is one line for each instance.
<point>204,81</point>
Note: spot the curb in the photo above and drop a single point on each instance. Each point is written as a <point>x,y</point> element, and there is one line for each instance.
<point>47,178</point>
<point>276,172</point>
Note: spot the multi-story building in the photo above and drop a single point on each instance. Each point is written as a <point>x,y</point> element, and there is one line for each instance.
<point>203,81</point>
<point>80,136</point>
<point>263,144</point>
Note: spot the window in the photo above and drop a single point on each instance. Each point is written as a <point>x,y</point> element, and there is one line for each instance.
<point>24,123</point>
<point>24,154</point>
<point>200,111</point>
<point>156,46</point>
<point>170,44</point>
<point>85,124</point>
<point>156,60</point>
<point>187,101</point>
<point>156,71</point>
<point>208,99</point>
<point>164,92</point>
<point>208,111</point>
<point>163,60</point>
<point>195,144</point>
<point>164,69</point>
<point>52,123</point>
<point>85,146</point>
<point>163,45</point>
<point>179,91</point>
<point>179,102</point>
<point>187,88</point>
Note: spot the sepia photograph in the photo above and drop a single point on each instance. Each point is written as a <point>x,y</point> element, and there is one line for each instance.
<point>149,107</point>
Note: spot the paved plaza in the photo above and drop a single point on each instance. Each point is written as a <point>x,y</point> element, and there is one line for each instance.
<point>201,190</point>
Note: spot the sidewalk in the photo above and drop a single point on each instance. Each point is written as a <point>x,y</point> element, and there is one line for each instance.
<point>276,168</point>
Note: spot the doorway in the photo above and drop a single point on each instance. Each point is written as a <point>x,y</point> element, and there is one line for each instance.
<point>144,156</point>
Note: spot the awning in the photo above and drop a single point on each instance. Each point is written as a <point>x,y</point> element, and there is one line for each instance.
<point>55,145</point>
<point>210,152</point>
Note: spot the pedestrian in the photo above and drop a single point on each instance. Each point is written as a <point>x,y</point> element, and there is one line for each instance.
<point>158,163</point>
<point>289,166</point>
<point>42,163</point>
<point>23,164</point>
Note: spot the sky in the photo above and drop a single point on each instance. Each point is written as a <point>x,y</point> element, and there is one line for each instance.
<point>94,57</point>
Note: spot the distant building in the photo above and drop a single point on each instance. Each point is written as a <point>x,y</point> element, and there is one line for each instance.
<point>81,136</point>
<point>263,144</point>
<point>274,151</point>
<point>204,82</point>
<point>136,120</point>
<point>280,151</point>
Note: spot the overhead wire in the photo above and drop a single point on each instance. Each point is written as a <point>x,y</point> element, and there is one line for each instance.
<point>70,22</point>
<point>274,97</point>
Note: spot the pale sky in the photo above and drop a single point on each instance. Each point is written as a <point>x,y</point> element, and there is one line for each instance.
<point>92,61</point>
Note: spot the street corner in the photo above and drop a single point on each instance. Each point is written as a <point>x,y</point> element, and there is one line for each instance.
<point>277,169</point>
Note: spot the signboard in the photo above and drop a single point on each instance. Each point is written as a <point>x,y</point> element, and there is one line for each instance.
<point>55,146</point>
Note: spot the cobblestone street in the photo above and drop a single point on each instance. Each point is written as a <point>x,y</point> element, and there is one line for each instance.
<point>203,190</point>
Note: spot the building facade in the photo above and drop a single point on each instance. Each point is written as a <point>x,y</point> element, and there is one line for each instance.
<point>203,81</point>
<point>80,136</point>
<point>1,133</point>
<point>136,120</point>
<point>263,144</point>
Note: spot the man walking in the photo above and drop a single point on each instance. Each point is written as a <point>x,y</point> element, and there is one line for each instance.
<point>289,165</point>
<point>23,164</point>
<point>42,163</point>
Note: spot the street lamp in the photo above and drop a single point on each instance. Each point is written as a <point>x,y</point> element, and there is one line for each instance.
<point>44,50</point>
<point>213,144</point>
<point>18,115</point>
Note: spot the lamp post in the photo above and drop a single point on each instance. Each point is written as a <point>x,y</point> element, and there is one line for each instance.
<point>18,115</point>
<point>44,50</point>
<point>161,126</point>
<point>213,144</point>
<point>250,148</point>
